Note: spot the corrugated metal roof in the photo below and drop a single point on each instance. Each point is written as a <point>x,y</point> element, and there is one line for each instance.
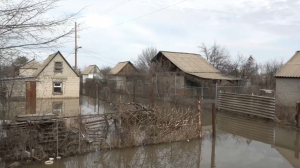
<point>291,69</point>
<point>33,64</point>
<point>88,70</point>
<point>190,63</point>
<point>119,67</point>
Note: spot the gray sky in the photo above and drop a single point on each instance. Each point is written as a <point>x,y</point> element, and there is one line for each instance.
<point>266,29</point>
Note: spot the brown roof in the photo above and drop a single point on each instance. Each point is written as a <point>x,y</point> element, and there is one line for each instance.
<point>119,67</point>
<point>213,76</point>
<point>33,64</point>
<point>88,69</point>
<point>194,64</point>
<point>291,69</point>
<point>48,60</point>
<point>190,63</point>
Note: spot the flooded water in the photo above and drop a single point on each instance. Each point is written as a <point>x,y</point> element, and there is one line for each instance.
<point>239,143</point>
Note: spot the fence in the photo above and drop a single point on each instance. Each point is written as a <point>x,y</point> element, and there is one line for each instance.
<point>38,137</point>
<point>247,104</point>
<point>153,92</point>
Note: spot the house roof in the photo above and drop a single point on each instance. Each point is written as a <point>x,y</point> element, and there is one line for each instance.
<point>119,67</point>
<point>33,64</point>
<point>194,64</point>
<point>48,60</point>
<point>291,69</point>
<point>88,69</point>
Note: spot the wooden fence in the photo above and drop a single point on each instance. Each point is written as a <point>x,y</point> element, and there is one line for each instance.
<point>248,104</point>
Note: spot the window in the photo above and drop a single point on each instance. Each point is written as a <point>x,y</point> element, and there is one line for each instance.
<point>57,88</point>
<point>57,107</point>
<point>58,67</point>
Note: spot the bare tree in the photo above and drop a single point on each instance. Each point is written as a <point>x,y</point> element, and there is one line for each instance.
<point>234,67</point>
<point>143,62</point>
<point>104,71</point>
<point>24,27</point>
<point>217,55</point>
<point>269,69</point>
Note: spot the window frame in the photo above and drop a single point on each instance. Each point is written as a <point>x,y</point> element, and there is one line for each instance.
<point>61,86</point>
<point>58,69</point>
<point>57,110</point>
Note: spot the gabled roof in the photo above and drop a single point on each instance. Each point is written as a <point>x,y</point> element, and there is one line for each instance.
<point>89,69</point>
<point>119,67</point>
<point>33,64</point>
<point>48,60</point>
<point>291,69</point>
<point>194,64</point>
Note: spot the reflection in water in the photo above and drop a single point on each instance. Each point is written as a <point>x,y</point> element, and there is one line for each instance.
<point>226,151</point>
<point>286,142</point>
<point>64,107</point>
<point>239,143</point>
<point>213,146</point>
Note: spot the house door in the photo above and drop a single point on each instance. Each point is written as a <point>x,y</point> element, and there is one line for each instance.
<point>30,97</point>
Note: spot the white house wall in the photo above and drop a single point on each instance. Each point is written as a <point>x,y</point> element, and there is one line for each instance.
<point>287,91</point>
<point>48,76</point>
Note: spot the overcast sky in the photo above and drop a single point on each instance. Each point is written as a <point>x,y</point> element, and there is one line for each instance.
<point>266,29</point>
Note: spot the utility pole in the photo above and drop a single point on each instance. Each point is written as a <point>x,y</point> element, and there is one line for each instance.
<point>76,47</point>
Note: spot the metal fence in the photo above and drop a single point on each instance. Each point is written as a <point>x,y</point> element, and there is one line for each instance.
<point>247,104</point>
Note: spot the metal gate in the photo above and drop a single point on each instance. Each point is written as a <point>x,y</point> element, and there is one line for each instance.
<point>248,104</point>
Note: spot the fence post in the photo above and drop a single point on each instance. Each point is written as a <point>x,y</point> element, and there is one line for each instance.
<point>79,130</point>
<point>120,118</point>
<point>56,137</point>
<point>153,95</point>
<point>133,96</point>
<point>156,84</point>
<point>199,114</point>
<point>213,120</point>
<point>216,97</point>
<point>213,146</point>
<point>175,85</point>
<point>202,89</point>
<point>297,145</point>
<point>298,115</point>
<point>128,130</point>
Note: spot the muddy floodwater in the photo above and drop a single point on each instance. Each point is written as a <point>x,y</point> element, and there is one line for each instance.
<point>238,143</point>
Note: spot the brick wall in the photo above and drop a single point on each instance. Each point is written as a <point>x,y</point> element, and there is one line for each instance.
<point>287,91</point>
<point>69,79</point>
<point>27,72</point>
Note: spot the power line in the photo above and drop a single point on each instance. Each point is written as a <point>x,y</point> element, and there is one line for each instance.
<point>139,16</point>
<point>98,58</point>
<point>113,7</point>
<point>69,54</point>
<point>99,55</point>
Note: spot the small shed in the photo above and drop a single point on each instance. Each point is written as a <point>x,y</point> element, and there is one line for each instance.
<point>288,82</point>
<point>195,69</point>
<point>91,72</point>
<point>120,72</point>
